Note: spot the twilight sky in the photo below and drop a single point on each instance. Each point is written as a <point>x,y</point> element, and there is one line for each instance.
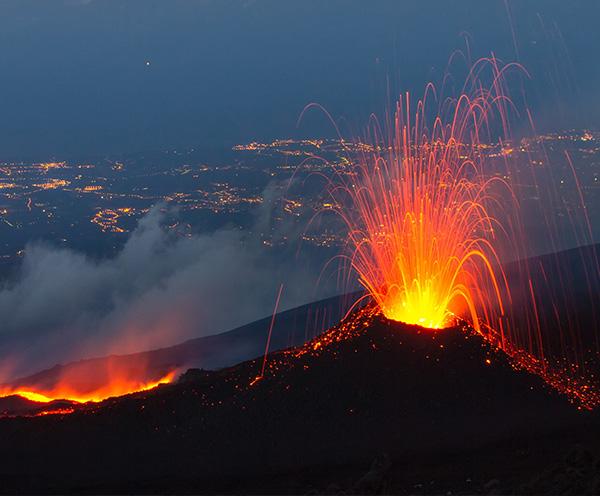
<point>102,76</point>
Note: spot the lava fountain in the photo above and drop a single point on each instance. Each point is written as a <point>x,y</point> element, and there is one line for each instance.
<point>425,217</point>
<point>443,212</point>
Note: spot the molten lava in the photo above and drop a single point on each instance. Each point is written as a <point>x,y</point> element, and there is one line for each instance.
<point>65,391</point>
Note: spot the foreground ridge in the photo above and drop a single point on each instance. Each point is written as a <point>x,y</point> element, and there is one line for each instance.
<point>430,405</point>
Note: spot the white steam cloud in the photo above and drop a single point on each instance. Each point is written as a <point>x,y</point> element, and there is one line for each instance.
<point>158,291</point>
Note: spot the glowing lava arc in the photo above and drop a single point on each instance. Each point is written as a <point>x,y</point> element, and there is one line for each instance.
<point>424,219</point>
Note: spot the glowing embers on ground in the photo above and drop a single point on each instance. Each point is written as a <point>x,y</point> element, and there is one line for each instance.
<point>578,390</point>
<point>486,344</point>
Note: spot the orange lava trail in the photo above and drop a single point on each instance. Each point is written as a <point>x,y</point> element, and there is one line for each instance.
<point>262,372</point>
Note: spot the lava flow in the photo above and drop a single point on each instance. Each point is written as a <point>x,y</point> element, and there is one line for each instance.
<point>65,392</point>
<point>88,380</point>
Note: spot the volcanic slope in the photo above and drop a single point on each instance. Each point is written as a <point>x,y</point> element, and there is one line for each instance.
<point>289,328</point>
<point>437,411</point>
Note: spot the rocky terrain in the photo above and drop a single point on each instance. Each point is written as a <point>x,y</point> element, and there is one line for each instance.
<point>371,406</point>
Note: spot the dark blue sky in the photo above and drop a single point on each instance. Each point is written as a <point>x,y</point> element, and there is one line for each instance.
<point>75,79</point>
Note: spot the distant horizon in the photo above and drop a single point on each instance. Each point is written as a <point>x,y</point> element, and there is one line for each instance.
<point>206,146</point>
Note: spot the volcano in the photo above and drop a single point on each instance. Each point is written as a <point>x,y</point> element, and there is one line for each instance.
<point>369,406</point>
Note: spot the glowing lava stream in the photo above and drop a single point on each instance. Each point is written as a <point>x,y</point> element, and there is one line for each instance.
<point>424,220</point>
<point>63,392</point>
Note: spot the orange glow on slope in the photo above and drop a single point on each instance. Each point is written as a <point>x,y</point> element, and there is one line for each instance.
<point>40,398</point>
<point>424,219</point>
<point>63,391</point>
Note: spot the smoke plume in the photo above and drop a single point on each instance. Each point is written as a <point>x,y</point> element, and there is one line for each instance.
<point>159,290</point>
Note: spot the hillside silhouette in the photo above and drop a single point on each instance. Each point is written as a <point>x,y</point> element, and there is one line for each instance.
<point>369,406</point>
<point>290,328</point>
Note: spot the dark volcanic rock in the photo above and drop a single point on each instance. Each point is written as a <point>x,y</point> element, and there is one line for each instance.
<point>16,405</point>
<point>451,413</point>
<point>577,473</point>
<point>374,481</point>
